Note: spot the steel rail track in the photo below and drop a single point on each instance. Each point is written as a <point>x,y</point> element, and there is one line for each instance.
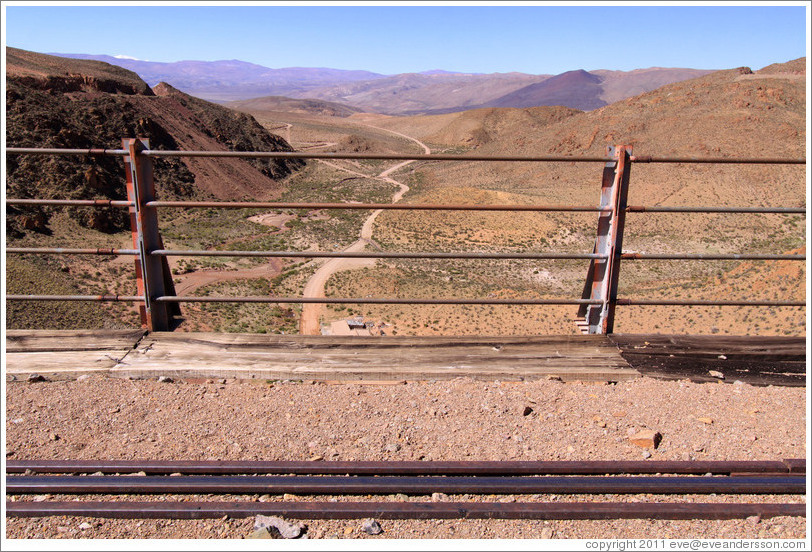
<point>541,467</point>
<point>345,485</point>
<point>405,510</point>
<point>785,476</point>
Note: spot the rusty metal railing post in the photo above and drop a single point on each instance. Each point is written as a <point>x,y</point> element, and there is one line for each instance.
<point>602,276</point>
<point>152,273</point>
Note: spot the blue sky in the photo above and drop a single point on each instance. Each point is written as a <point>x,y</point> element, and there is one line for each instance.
<point>538,39</point>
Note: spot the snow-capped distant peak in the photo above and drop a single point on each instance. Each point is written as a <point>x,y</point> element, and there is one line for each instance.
<point>122,56</point>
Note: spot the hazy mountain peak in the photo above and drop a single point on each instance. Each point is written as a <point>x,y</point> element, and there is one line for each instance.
<point>432,91</point>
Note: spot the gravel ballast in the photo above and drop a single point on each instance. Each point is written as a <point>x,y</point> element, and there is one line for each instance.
<point>462,419</point>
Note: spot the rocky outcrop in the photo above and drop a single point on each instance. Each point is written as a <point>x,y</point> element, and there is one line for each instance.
<point>82,83</point>
<point>56,102</point>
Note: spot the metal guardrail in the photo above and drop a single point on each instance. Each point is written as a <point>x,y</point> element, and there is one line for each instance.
<point>408,157</point>
<point>155,288</point>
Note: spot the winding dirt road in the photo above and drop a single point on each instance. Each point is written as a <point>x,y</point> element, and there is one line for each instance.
<point>311,312</point>
<point>187,283</point>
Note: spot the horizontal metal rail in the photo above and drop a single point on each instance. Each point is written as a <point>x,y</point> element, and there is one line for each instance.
<point>371,254</point>
<point>316,300</point>
<point>373,300</point>
<point>688,209</point>
<point>68,151</point>
<point>69,251</point>
<point>196,484</point>
<point>407,157</point>
<point>312,467</point>
<point>370,206</point>
<point>380,156</point>
<point>399,206</point>
<point>405,510</point>
<point>712,256</point>
<point>698,303</point>
<point>76,202</point>
<point>720,160</point>
<point>462,157</point>
<point>398,301</point>
<point>107,297</point>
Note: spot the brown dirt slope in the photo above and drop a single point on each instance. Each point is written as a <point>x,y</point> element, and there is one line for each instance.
<point>797,66</point>
<point>63,103</point>
<point>719,112</point>
<point>715,115</point>
<point>281,103</point>
<point>52,72</point>
<point>732,113</point>
<point>477,127</point>
<point>619,85</point>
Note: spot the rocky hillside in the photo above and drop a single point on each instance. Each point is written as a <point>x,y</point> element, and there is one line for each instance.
<point>291,105</point>
<point>736,112</point>
<point>731,113</point>
<point>65,103</point>
<point>226,80</point>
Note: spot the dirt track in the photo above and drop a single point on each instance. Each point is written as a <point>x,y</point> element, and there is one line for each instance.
<point>310,324</point>
<point>190,282</point>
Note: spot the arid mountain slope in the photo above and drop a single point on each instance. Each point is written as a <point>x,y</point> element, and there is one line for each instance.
<point>732,113</point>
<point>724,114</point>
<point>576,89</point>
<point>728,113</point>
<point>415,94</point>
<point>619,85</point>
<point>63,75</point>
<point>429,92</point>
<point>233,79</point>
<point>412,93</point>
<point>291,105</point>
<point>475,127</point>
<point>63,103</point>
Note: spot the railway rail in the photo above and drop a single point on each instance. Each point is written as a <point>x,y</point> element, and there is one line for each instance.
<point>654,478</point>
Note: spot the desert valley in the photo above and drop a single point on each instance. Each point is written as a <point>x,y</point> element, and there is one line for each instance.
<point>729,113</point>
<point>69,102</point>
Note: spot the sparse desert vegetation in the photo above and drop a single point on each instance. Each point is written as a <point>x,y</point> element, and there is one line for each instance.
<point>511,403</point>
<point>691,118</point>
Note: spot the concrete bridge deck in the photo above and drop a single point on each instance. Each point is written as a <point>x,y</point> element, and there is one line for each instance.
<point>68,354</point>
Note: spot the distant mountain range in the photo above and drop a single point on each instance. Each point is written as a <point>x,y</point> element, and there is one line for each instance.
<point>430,92</point>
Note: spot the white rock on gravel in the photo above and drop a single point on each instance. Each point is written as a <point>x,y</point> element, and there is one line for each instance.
<point>278,527</point>
<point>371,527</point>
